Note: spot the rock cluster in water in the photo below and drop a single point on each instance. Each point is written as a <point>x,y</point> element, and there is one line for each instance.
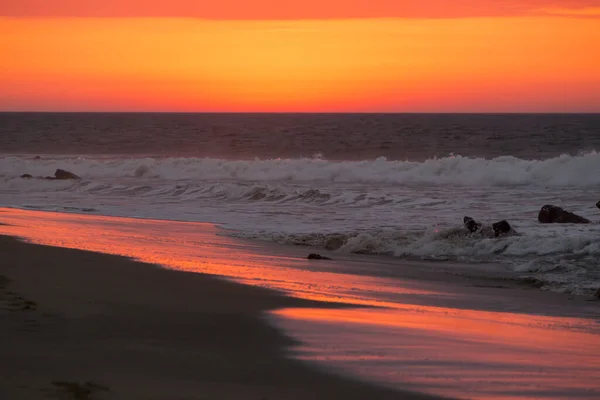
<point>500,228</point>
<point>59,174</point>
<point>552,214</point>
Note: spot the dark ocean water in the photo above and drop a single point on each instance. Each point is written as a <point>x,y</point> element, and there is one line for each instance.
<point>413,137</point>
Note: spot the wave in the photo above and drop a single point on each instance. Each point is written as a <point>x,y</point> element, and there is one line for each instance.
<point>560,263</point>
<point>451,243</point>
<point>565,170</point>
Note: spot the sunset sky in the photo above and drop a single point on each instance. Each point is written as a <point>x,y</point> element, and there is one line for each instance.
<point>311,55</point>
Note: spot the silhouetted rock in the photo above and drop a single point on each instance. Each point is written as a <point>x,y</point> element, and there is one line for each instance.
<point>502,228</point>
<point>37,158</point>
<point>597,294</point>
<point>471,224</point>
<point>598,204</point>
<point>313,256</point>
<point>26,176</point>
<point>552,214</point>
<point>62,174</point>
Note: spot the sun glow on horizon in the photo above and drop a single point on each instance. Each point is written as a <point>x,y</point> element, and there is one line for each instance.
<point>179,64</point>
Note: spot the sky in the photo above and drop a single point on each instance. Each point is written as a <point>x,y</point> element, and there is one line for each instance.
<point>300,56</point>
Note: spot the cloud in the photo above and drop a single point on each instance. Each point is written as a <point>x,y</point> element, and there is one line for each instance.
<point>297,9</point>
<point>575,12</point>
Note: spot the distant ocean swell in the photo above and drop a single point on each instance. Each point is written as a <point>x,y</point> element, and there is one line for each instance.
<point>565,170</point>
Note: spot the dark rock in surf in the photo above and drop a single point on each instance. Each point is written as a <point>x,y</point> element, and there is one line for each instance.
<point>314,256</point>
<point>597,294</point>
<point>62,174</point>
<point>502,228</point>
<point>471,224</point>
<point>26,176</point>
<point>550,214</point>
<point>598,204</point>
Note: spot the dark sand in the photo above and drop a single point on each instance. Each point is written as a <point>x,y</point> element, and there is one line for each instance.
<point>82,325</point>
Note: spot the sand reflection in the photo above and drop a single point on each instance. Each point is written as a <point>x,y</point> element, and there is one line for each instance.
<point>459,353</point>
<point>198,247</point>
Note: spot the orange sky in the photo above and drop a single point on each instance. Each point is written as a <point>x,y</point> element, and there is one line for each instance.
<point>478,56</point>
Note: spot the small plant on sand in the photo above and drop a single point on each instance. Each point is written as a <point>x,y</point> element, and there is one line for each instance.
<point>79,391</point>
<point>3,281</point>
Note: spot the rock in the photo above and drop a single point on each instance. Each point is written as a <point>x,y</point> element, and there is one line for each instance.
<point>552,214</point>
<point>598,204</point>
<point>37,158</point>
<point>26,176</point>
<point>471,224</point>
<point>597,294</point>
<point>313,256</point>
<point>501,228</point>
<point>62,174</point>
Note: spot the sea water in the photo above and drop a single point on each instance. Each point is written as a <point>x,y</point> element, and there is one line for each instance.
<point>388,184</point>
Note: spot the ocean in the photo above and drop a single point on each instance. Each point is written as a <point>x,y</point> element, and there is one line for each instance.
<point>396,185</point>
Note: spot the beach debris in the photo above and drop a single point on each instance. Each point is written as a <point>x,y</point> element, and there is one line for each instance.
<point>552,214</point>
<point>315,256</point>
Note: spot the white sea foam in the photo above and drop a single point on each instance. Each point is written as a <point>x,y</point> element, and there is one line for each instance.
<point>564,170</point>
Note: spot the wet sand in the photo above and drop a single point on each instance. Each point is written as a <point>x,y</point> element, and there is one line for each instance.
<point>466,331</point>
<point>83,325</point>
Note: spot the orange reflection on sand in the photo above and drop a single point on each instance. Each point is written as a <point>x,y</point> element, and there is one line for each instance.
<point>480,326</point>
<point>459,353</point>
<point>196,247</point>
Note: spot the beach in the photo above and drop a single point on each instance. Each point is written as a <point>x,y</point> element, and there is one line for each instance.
<point>80,323</point>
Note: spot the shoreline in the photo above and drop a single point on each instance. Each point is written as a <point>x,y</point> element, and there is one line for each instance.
<point>499,271</point>
<point>420,321</point>
<point>422,275</point>
<point>107,327</point>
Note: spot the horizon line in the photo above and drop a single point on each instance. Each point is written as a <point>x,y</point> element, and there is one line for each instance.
<point>312,112</point>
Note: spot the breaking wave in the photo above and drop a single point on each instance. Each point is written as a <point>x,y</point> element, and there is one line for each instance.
<point>565,170</point>
<point>562,263</point>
